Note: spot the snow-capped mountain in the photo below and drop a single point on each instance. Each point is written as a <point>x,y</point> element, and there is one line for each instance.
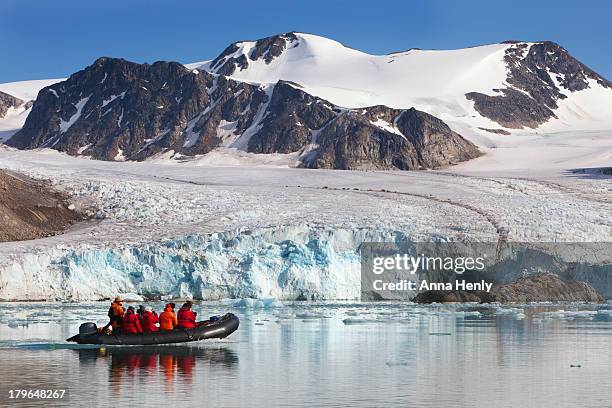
<point>7,102</point>
<point>118,110</point>
<point>325,104</point>
<point>511,85</point>
<point>16,100</point>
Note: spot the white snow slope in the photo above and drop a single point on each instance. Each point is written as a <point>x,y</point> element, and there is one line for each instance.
<point>434,81</point>
<point>26,91</point>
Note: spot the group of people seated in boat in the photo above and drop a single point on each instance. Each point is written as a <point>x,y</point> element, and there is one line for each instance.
<point>146,320</point>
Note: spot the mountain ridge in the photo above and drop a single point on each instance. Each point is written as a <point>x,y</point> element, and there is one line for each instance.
<point>284,93</point>
<point>486,84</point>
<point>120,110</point>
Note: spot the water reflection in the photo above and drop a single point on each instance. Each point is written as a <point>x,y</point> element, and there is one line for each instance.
<point>153,364</point>
<point>328,355</point>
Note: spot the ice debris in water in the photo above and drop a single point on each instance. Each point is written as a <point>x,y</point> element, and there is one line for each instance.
<point>349,321</point>
<point>515,312</point>
<point>249,303</point>
<point>576,314</point>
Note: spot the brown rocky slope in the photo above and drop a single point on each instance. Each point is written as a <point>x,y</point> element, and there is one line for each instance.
<point>30,210</point>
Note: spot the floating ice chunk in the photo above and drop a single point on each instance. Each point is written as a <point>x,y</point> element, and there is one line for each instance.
<point>249,303</point>
<point>510,311</point>
<point>569,314</point>
<point>470,313</point>
<point>131,297</point>
<point>309,315</point>
<point>257,303</point>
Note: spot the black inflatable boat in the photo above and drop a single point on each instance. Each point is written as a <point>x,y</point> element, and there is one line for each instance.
<point>210,329</point>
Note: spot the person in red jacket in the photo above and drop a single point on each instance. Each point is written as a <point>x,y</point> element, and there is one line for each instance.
<point>131,324</point>
<point>149,320</point>
<point>187,317</point>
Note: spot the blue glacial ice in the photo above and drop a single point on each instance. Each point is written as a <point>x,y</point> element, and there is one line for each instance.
<point>295,262</point>
<point>301,262</point>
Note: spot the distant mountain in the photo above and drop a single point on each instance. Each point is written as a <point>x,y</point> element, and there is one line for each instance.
<point>513,85</point>
<point>15,108</point>
<point>328,105</point>
<point>119,110</point>
<point>6,102</point>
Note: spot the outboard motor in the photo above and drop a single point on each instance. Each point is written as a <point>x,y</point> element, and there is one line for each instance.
<point>88,329</point>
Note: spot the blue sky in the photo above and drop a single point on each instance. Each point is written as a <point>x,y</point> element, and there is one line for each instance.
<point>47,39</point>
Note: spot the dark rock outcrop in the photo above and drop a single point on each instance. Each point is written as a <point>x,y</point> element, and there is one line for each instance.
<point>377,137</point>
<point>385,138</point>
<point>8,101</point>
<point>496,131</point>
<point>292,116</point>
<point>539,74</point>
<point>265,49</point>
<point>546,287</point>
<point>117,109</point>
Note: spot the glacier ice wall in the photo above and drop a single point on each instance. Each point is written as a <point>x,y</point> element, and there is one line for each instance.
<point>297,262</point>
<point>285,262</point>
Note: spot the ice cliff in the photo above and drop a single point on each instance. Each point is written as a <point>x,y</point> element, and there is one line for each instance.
<point>284,262</point>
<point>297,262</point>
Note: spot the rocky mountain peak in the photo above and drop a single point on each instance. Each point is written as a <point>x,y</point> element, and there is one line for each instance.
<point>6,102</point>
<point>380,137</point>
<point>108,109</point>
<point>539,75</point>
<point>120,110</point>
<point>238,55</point>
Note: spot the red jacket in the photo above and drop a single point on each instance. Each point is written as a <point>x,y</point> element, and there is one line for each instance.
<point>186,318</point>
<point>148,322</point>
<point>131,324</point>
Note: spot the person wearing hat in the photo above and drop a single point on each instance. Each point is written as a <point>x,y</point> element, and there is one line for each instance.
<point>115,314</point>
<point>131,323</point>
<point>186,316</point>
<point>149,320</point>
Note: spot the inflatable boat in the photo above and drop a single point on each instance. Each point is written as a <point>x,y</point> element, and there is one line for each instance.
<point>209,329</point>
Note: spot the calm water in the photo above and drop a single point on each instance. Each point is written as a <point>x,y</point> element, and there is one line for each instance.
<point>325,354</point>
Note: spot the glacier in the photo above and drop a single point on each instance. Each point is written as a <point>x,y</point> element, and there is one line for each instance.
<point>297,262</point>
<point>254,231</point>
<point>293,262</point>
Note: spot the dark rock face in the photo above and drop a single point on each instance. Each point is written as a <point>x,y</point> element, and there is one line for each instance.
<point>385,138</point>
<point>119,110</point>
<point>292,116</point>
<point>377,137</point>
<point>496,131</point>
<point>545,287</point>
<point>540,74</point>
<point>511,109</point>
<point>266,48</point>
<point>8,101</point>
